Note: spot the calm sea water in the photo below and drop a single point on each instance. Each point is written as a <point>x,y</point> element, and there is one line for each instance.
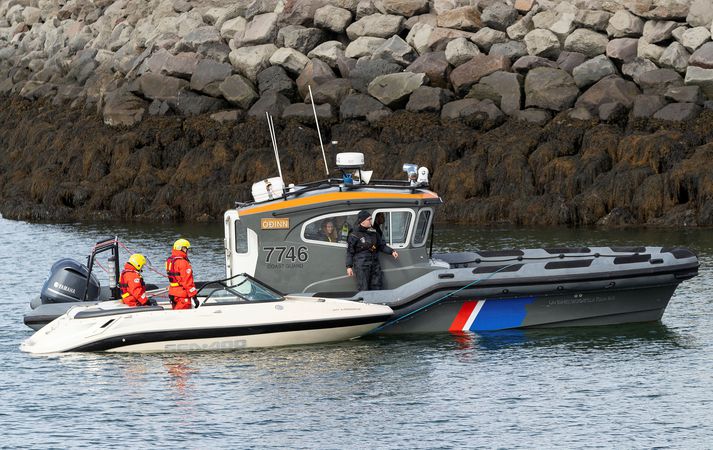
<point>636,386</point>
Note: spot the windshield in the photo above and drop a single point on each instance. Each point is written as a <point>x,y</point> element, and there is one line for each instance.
<point>240,288</point>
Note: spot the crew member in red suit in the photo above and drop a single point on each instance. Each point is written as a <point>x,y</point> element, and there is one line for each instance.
<point>181,288</point>
<point>131,283</point>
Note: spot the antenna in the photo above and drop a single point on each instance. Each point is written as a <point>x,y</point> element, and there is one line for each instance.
<point>319,133</point>
<point>273,138</point>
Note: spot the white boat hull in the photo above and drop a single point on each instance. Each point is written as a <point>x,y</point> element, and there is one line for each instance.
<point>113,327</point>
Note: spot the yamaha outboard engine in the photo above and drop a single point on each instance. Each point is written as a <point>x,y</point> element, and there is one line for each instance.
<point>67,283</point>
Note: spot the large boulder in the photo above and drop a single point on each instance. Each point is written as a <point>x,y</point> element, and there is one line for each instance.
<point>332,18</point>
<point>504,88</point>
<point>122,108</point>
<point>595,20</point>
<point>366,71</point>
<point>395,50</point>
<point>693,38</point>
<point>703,57</point>
<point>465,18</point>
<point>208,76</point>
<point>363,46</point>
<point>435,66</point>
<point>549,88</point>
<point>250,61</point>
<point>676,57</point>
<point>199,37</point>
<point>468,107</point>
<point>700,13</point>
<point>542,43</point>
<point>272,103</point>
<point>189,103</point>
<point>587,42</point>
<point>499,16</point>
<point>698,76</point>
<point>625,24</point>
<point>358,106</point>
<point>376,25</point>
<point>239,91</point>
<point>332,92</point>
<point>608,90</point>
<point>428,99</point>
<point>656,31</point>
<point>329,52</point>
<point>485,38</point>
<point>637,67</point>
<point>275,78</point>
<point>315,73</point>
<point>466,75</point>
<point>304,113</point>
<point>262,29</point>
<point>659,80</point>
<point>406,8</point>
<point>527,63</point>
<point>160,87</point>
<point>622,49</point>
<point>592,71</point>
<point>181,65</point>
<point>460,51</point>
<point>394,89</point>
<point>300,38</point>
<point>678,112</point>
<point>645,106</point>
<point>290,59</point>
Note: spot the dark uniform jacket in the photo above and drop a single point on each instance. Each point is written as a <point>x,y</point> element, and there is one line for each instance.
<point>364,244</point>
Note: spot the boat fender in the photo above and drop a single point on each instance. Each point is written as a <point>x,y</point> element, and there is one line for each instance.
<point>597,255</point>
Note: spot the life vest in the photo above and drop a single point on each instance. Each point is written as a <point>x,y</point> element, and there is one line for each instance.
<point>126,284</point>
<point>180,278</point>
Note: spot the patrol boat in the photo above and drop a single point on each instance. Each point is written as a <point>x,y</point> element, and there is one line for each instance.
<point>242,314</point>
<point>277,238</point>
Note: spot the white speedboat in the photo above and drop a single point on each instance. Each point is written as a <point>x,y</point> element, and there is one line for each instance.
<point>244,314</point>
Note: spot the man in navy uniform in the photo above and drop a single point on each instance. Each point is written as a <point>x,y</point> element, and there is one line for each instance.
<point>363,247</point>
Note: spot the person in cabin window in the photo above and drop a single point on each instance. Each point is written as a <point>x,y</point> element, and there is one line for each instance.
<point>378,223</point>
<point>181,288</point>
<point>131,283</point>
<point>328,233</point>
<point>363,247</point>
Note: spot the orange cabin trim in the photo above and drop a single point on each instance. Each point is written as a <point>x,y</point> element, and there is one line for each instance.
<point>334,196</point>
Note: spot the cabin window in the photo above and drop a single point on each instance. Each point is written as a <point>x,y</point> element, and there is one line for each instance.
<point>394,226</point>
<point>420,234</point>
<point>241,237</point>
<point>330,229</point>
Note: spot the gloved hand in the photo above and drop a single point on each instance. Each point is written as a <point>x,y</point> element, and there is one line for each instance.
<point>196,303</point>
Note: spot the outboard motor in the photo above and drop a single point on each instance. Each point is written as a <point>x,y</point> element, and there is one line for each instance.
<point>67,282</point>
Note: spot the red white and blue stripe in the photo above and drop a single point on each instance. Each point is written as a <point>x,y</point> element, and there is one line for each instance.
<point>488,315</point>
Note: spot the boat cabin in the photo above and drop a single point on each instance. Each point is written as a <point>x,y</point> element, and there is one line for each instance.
<point>295,236</point>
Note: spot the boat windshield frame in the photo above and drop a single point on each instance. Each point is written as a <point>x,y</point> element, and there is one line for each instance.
<point>237,297</point>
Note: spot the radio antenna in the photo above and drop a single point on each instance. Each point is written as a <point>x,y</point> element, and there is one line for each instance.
<point>273,138</point>
<point>319,133</point>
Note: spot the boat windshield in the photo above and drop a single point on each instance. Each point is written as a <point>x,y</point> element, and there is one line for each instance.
<point>238,289</point>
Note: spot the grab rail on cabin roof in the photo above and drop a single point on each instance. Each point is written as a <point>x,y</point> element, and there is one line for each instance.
<point>338,182</point>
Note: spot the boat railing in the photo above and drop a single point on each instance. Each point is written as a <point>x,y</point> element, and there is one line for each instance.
<point>296,191</point>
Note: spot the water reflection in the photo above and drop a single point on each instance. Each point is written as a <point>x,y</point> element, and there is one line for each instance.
<point>574,338</point>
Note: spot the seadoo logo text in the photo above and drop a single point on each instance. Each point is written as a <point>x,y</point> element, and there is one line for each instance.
<point>224,345</point>
<point>64,288</point>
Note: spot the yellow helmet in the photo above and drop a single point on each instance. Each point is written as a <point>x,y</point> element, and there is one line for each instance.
<point>137,260</point>
<point>179,244</point>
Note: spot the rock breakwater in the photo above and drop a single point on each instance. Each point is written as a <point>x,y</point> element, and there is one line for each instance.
<point>530,112</point>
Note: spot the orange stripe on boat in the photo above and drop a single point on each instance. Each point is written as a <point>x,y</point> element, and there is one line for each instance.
<point>462,317</point>
<point>334,196</point>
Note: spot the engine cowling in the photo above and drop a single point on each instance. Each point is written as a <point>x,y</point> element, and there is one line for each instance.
<point>67,282</point>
